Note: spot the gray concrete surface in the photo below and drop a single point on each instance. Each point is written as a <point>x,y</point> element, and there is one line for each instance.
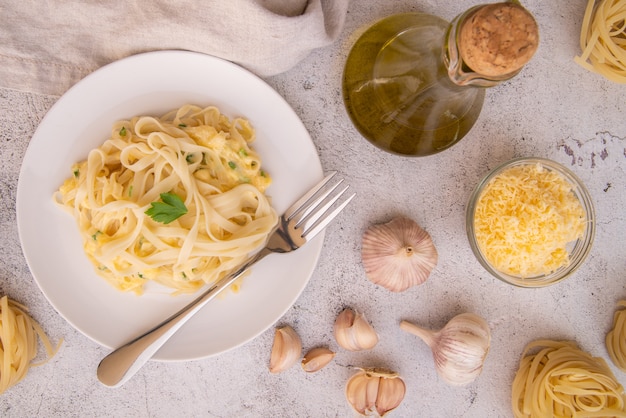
<point>553,109</point>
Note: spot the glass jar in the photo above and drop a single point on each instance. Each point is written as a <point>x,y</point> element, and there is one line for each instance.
<point>407,85</point>
<point>577,250</point>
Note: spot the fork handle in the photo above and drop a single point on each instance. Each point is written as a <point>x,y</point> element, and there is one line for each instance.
<point>122,364</point>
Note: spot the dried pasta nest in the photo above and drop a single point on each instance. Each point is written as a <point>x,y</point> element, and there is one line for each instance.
<point>398,254</point>
<point>560,380</point>
<point>616,337</point>
<point>19,336</point>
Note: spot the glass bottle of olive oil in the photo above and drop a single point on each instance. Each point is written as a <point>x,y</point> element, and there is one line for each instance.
<point>414,84</point>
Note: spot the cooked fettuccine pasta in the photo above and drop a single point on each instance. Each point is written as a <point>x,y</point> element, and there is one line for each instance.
<point>178,200</point>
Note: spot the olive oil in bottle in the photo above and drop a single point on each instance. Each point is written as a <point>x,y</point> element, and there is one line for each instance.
<point>407,85</point>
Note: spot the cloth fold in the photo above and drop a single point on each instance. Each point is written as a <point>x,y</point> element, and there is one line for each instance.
<point>47,46</point>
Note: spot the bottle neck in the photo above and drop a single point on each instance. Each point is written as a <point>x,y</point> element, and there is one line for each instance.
<point>459,71</point>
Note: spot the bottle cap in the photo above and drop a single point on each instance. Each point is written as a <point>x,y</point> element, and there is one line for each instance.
<point>498,39</point>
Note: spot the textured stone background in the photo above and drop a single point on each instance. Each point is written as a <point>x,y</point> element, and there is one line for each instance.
<point>553,109</point>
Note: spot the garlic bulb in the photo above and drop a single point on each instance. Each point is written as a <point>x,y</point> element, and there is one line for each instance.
<point>459,349</point>
<point>286,350</point>
<point>353,332</point>
<point>316,359</point>
<point>375,391</point>
<point>398,255</point>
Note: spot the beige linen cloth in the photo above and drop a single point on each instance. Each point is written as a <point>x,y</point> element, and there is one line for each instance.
<point>46,46</point>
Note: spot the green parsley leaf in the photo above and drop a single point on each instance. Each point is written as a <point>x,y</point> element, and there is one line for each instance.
<point>171,208</point>
<point>232,164</point>
<point>123,131</point>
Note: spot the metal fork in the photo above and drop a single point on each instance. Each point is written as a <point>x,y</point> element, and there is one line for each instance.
<point>300,223</point>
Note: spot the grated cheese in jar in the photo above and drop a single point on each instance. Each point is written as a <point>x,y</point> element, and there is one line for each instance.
<point>524,219</point>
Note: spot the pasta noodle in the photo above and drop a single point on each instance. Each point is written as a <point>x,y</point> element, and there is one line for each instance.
<point>560,380</point>
<point>616,338</point>
<point>193,165</point>
<point>603,39</point>
<point>18,343</point>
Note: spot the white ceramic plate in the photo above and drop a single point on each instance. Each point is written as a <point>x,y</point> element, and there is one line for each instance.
<point>154,83</point>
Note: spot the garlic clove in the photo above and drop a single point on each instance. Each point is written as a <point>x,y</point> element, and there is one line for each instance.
<point>398,254</point>
<point>375,391</point>
<point>316,359</point>
<point>353,332</point>
<point>361,393</point>
<point>390,394</point>
<point>459,348</point>
<point>286,349</point>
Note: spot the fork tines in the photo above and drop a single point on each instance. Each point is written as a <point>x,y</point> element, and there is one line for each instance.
<point>316,209</point>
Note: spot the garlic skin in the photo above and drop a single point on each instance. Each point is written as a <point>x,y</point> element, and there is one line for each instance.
<point>398,254</point>
<point>286,349</point>
<point>375,391</point>
<point>316,359</point>
<point>459,349</point>
<point>353,332</point>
